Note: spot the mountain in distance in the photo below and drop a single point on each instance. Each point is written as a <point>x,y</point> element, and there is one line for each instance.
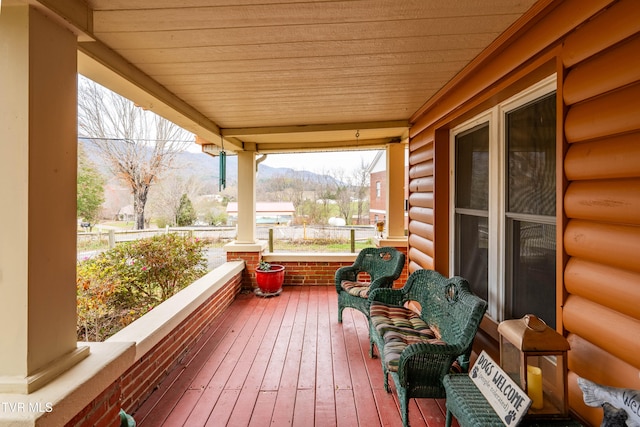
<point>207,168</point>
<point>203,166</point>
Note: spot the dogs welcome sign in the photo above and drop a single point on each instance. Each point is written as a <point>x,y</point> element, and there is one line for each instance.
<point>509,401</point>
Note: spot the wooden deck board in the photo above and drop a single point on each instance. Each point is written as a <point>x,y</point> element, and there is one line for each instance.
<point>161,403</point>
<point>363,394</point>
<point>283,361</point>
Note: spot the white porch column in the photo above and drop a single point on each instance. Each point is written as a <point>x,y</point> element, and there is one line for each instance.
<point>246,197</point>
<point>395,191</point>
<point>38,144</point>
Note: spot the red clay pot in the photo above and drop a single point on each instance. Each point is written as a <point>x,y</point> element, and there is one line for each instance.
<point>270,282</point>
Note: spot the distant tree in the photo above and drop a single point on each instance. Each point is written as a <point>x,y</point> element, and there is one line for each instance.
<point>90,193</point>
<point>137,145</point>
<point>361,188</point>
<point>216,217</point>
<point>350,189</point>
<point>344,194</point>
<point>287,187</point>
<point>325,195</point>
<point>186,213</point>
<point>165,198</point>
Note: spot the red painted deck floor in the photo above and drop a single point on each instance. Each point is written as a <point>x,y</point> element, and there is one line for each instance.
<point>283,361</point>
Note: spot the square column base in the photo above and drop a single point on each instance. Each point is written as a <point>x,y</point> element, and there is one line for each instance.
<point>44,376</point>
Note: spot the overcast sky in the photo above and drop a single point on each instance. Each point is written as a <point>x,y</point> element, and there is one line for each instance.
<point>321,161</point>
<point>314,162</point>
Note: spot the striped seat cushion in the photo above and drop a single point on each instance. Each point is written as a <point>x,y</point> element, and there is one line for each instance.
<point>358,289</point>
<point>399,328</point>
<point>385,316</point>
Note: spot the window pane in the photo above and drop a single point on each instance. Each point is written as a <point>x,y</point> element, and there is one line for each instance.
<point>472,168</point>
<point>533,290</point>
<point>472,192</point>
<point>531,150</point>
<point>472,258</point>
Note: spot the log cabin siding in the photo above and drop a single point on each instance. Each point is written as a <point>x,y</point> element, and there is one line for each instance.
<point>593,47</point>
<point>607,200</point>
<point>602,200</point>
<point>421,203</point>
<point>607,158</point>
<point>605,115</point>
<point>585,278</point>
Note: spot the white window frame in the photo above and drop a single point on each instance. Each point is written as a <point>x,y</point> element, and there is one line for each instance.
<point>495,116</point>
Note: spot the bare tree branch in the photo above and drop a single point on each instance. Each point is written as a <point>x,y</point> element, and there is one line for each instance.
<point>137,145</point>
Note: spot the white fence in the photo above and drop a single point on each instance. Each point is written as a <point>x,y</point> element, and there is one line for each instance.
<point>292,233</point>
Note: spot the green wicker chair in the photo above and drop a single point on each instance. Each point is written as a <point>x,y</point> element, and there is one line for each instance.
<point>419,363</point>
<point>383,265</point>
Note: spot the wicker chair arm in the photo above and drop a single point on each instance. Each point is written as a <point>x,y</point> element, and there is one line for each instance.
<point>424,362</point>
<point>381,283</point>
<point>346,273</point>
<point>388,296</point>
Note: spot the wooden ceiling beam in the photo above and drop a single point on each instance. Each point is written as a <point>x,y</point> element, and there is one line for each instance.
<point>240,132</point>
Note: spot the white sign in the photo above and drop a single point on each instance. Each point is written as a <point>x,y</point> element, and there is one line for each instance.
<point>509,401</point>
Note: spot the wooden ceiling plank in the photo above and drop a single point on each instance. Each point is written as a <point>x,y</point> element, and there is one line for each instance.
<point>282,15</point>
<point>328,78</point>
<point>434,45</point>
<point>401,65</point>
<point>260,37</point>
<point>207,65</point>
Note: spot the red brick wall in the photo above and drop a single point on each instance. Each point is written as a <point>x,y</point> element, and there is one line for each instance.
<point>378,203</point>
<point>311,272</point>
<point>135,385</point>
<point>296,272</point>
<point>301,272</point>
<point>104,411</point>
<point>405,271</point>
<point>251,259</point>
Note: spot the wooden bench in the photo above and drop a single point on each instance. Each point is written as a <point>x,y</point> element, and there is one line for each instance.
<point>423,332</point>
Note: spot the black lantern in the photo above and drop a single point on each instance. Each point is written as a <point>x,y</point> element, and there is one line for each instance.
<point>535,357</point>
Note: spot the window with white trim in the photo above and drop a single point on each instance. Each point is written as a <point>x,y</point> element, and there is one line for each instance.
<point>503,237</point>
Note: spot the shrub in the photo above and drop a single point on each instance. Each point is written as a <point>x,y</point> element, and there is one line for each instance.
<point>186,213</point>
<point>121,284</point>
<point>162,222</point>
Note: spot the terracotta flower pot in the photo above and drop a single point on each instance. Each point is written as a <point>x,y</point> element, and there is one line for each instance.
<point>270,281</point>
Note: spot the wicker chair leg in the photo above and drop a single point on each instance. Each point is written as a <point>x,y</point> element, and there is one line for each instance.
<point>340,308</point>
<point>448,420</point>
<point>404,407</point>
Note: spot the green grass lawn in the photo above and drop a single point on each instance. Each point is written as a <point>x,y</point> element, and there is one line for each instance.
<point>318,245</point>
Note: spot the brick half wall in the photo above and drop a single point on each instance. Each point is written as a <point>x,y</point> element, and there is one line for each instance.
<point>137,383</point>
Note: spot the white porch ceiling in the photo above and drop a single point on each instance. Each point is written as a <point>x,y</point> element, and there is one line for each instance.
<point>284,75</point>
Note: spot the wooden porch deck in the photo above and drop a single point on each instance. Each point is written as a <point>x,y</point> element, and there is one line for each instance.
<point>283,361</point>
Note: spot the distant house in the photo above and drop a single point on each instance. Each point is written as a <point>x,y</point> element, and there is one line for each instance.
<point>378,189</point>
<point>126,213</point>
<point>276,213</point>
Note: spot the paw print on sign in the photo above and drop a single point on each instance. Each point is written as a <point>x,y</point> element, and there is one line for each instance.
<point>474,372</point>
<point>510,417</point>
